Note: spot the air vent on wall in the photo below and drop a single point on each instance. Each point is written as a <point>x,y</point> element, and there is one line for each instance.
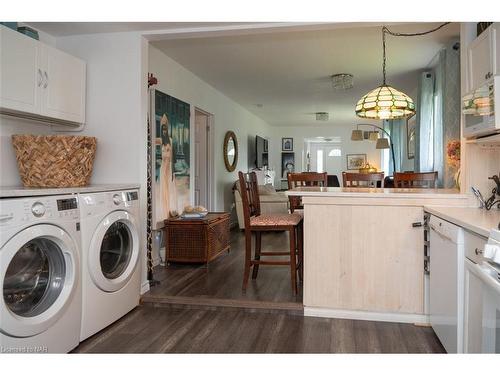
<point>322,116</point>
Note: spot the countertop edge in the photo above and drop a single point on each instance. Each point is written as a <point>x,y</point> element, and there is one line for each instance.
<point>435,210</point>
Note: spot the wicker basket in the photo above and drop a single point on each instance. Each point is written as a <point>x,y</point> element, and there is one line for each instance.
<point>54,160</point>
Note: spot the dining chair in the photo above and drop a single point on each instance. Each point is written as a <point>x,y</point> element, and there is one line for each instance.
<point>304,179</point>
<point>418,180</point>
<point>363,179</point>
<point>256,223</point>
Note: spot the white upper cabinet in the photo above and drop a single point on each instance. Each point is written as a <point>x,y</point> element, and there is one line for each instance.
<point>482,56</point>
<point>39,81</point>
<point>64,85</point>
<point>20,76</point>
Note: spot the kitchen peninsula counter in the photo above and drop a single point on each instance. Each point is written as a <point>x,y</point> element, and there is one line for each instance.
<point>364,251</point>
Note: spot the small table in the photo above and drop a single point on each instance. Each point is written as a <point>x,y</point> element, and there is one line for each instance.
<point>197,240</point>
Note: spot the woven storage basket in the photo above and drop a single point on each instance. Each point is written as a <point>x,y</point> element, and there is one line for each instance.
<point>54,160</point>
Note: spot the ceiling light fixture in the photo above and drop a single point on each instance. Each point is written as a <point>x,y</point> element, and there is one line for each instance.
<point>322,116</point>
<point>385,102</point>
<point>342,81</point>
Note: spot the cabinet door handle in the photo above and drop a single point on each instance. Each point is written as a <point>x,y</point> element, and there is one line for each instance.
<point>46,80</point>
<point>478,251</point>
<point>40,78</point>
<point>416,225</point>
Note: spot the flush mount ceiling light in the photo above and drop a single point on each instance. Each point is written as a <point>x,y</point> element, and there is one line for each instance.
<point>342,81</point>
<point>322,116</point>
<point>385,102</point>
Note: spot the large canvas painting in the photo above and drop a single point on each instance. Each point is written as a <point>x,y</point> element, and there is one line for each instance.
<point>172,164</point>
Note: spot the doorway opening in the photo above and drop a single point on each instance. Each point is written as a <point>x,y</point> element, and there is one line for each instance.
<point>203,157</point>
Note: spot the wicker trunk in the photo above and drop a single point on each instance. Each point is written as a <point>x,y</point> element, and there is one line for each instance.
<point>197,240</point>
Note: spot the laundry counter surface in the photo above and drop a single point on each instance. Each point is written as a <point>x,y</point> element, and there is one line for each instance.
<point>20,191</point>
<point>474,219</point>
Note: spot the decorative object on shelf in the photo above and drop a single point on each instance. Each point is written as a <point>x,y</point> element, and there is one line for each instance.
<point>367,168</point>
<point>355,161</point>
<point>230,151</point>
<point>54,161</point>
<point>172,151</point>
<point>453,158</point>
<point>286,144</point>
<point>411,126</point>
<point>385,102</point>
<point>287,163</point>
<point>342,81</point>
<point>28,31</point>
<point>382,143</point>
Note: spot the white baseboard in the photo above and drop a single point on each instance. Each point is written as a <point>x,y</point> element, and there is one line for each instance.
<point>145,287</point>
<point>366,315</point>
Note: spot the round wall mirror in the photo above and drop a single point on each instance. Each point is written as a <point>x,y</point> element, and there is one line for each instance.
<point>230,151</point>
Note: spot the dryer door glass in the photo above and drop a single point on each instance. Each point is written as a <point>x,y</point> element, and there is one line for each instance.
<point>116,250</point>
<point>34,278</point>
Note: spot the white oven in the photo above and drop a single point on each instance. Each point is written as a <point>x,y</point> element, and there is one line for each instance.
<point>482,297</point>
<point>478,108</point>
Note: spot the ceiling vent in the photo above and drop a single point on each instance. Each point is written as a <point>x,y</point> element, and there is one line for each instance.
<point>322,116</point>
<point>342,81</point>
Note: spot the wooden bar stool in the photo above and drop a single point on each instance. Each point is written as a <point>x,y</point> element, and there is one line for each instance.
<point>304,179</point>
<point>371,179</point>
<point>417,180</point>
<point>255,222</point>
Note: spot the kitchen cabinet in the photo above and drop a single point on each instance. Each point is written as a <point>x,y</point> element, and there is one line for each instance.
<point>483,56</point>
<point>39,81</point>
<point>364,258</point>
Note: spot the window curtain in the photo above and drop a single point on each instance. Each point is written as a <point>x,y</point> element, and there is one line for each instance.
<point>424,134</point>
<point>397,130</point>
<point>429,154</point>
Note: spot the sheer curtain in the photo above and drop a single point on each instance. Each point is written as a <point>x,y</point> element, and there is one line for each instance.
<point>429,153</point>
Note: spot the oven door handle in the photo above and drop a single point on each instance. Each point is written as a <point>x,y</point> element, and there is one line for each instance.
<point>477,270</point>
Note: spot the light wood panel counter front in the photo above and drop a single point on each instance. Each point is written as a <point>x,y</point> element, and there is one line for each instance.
<point>364,250</point>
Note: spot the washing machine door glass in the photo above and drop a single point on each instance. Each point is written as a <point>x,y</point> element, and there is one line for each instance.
<point>39,273</point>
<point>34,278</point>
<point>116,250</point>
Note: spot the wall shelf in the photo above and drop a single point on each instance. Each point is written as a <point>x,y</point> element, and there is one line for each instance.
<point>492,141</point>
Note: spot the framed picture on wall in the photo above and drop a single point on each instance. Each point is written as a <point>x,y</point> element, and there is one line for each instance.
<point>411,125</point>
<point>355,161</point>
<point>287,163</point>
<point>286,144</point>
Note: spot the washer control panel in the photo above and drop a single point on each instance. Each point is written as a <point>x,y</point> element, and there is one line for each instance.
<point>20,211</point>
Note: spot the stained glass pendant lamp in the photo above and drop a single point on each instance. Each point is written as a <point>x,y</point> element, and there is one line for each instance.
<point>385,102</point>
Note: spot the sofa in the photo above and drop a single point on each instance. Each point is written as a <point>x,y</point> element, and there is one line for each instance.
<point>271,202</point>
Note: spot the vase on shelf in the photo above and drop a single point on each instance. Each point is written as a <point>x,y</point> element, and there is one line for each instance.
<point>456,178</point>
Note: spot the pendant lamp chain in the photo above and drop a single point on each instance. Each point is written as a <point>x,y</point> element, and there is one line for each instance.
<point>385,31</point>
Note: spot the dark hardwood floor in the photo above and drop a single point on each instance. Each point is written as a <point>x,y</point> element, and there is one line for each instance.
<point>220,283</point>
<point>149,329</point>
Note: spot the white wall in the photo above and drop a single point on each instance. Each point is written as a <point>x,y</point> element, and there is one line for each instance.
<point>299,133</point>
<point>9,175</point>
<point>175,80</point>
<point>116,110</point>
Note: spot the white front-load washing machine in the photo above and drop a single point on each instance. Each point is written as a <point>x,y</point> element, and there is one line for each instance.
<point>40,308</point>
<point>110,257</point>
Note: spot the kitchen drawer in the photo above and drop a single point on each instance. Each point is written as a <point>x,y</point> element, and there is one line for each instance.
<point>474,246</point>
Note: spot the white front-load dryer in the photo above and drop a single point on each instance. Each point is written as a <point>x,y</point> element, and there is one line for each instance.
<point>40,308</point>
<point>110,258</point>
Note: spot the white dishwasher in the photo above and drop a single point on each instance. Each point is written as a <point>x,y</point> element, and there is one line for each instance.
<point>447,283</point>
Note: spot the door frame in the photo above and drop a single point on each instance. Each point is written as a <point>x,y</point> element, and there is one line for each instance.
<point>210,156</point>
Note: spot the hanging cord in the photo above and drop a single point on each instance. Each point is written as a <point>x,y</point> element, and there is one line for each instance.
<point>385,30</point>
